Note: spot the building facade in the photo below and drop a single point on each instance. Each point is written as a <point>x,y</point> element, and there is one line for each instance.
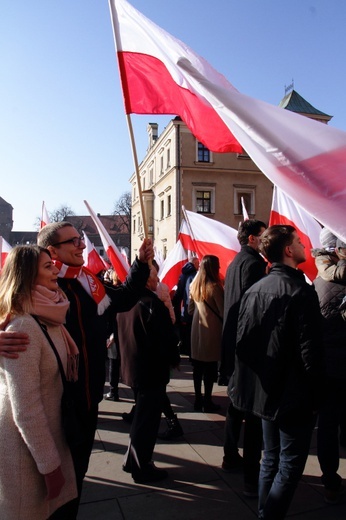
<point>178,170</point>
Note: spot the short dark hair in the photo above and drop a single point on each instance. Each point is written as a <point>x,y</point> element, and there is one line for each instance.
<point>274,240</point>
<point>247,228</point>
<point>49,234</point>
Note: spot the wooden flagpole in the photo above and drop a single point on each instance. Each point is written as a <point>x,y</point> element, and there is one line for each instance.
<point>135,161</point>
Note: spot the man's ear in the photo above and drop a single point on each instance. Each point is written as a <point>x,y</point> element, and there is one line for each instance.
<point>53,252</point>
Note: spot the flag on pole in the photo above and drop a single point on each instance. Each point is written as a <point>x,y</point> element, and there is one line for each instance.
<point>113,253</point>
<point>152,83</point>
<point>286,211</point>
<point>210,237</point>
<point>5,248</point>
<point>305,158</point>
<point>44,217</point>
<point>92,260</point>
<point>244,210</point>
<point>170,270</point>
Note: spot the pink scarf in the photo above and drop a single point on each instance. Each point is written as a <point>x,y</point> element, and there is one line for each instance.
<point>92,285</point>
<point>51,307</point>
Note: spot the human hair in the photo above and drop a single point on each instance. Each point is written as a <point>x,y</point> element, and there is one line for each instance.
<point>206,278</point>
<point>247,228</point>
<point>274,240</point>
<point>18,278</point>
<point>49,234</point>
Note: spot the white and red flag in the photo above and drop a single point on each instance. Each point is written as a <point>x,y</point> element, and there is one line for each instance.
<point>44,217</point>
<point>305,158</point>
<point>171,268</point>
<point>286,211</point>
<point>116,258</point>
<point>92,260</point>
<point>5,248</point>
<point>152,83</point>
<point>244,210</point>
<point>205,236</point>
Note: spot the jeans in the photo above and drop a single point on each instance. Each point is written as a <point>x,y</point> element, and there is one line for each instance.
<point>331,412</point>
<point>286,448</point>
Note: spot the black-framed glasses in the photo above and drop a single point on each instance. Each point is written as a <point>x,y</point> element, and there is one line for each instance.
<point>76,241</point>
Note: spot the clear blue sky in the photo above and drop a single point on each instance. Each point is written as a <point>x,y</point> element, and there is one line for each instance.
<point>63,133</point>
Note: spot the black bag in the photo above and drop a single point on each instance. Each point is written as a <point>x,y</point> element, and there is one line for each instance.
<point>71,423</point>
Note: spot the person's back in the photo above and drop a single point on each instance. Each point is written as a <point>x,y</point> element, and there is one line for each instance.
<point>332,295</point>
<point>279,367</point>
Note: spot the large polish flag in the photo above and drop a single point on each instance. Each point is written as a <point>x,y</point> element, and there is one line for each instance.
<point>305,158</point>
<point>205,236</point>
<point>92,260</point>
<point>170,270</point>
<point>152,83</point>
<point>44,217</point>
<point>116,258</point>
<point>286,211</point>
<point>5,248</point>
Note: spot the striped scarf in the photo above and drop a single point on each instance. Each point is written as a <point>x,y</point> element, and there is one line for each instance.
<point>90,283</point>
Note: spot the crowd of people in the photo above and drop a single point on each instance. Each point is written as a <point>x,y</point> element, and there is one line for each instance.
<point>277,341</point>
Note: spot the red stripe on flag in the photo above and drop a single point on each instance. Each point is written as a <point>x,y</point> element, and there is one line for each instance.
<point>308,267</point>
<point>210,248</point>
<point>116,263</point>
<point>149,88</point>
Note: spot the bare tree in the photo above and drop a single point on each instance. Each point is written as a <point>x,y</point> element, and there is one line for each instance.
<point>122,209</point>
<point>58,215</point>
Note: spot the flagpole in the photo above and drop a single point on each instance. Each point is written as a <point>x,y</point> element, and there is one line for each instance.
<point>135,161</point>
<point>191,232</point>
<point>117,41</point>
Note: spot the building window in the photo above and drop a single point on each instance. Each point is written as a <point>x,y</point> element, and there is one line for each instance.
<point>168,158</point>
<point>248,194</point>
<point>151,176</point>
<point>134,226</point>
<point>203,154</point>
<point>203,198</point>
<point>203,201</point>
<point>169,205</point>
<point>161,165</point>
<point>162,209</point>
<point>143,184</point>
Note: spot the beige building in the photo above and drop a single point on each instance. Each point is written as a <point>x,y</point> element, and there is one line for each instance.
<point>180,171</point>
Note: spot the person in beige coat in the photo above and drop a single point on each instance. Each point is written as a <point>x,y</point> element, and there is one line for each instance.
<point>206,304</point>
<point>37,475</point>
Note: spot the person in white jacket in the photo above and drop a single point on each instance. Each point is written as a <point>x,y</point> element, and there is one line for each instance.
<point>37,476</point>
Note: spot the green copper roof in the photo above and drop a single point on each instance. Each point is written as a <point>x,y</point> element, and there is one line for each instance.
<point>296,103</point>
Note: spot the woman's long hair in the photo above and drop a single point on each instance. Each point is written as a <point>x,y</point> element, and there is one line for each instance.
<point>18,278</point>
<point>207,277</point>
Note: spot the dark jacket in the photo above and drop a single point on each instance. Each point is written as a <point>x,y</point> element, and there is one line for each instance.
<point>331,295</point>
<point>279,363</point>
<point>246,269</point>
<point>148,344</point>
<point>89,330</point>
<point>181,297</point>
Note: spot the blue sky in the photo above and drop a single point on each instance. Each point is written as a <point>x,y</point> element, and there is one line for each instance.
<point>63,132</point>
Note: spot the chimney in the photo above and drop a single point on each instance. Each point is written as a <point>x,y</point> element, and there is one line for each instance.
<point>152,130</point>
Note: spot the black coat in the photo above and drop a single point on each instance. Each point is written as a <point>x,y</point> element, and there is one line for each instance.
<point>246,269</point>
<point>148,344</point>
<point>331,295</point>
<point>90,330</point>
<point>279,363</point>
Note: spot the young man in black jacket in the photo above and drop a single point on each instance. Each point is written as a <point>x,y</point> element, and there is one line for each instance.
<point>279,367</point>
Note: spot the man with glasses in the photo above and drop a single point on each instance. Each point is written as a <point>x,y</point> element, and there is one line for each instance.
<point>91,304</point>
<point>247,268</point>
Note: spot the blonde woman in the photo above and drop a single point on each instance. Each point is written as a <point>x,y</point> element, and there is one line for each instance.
<point>37,475</point>
<point>206,305</point>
